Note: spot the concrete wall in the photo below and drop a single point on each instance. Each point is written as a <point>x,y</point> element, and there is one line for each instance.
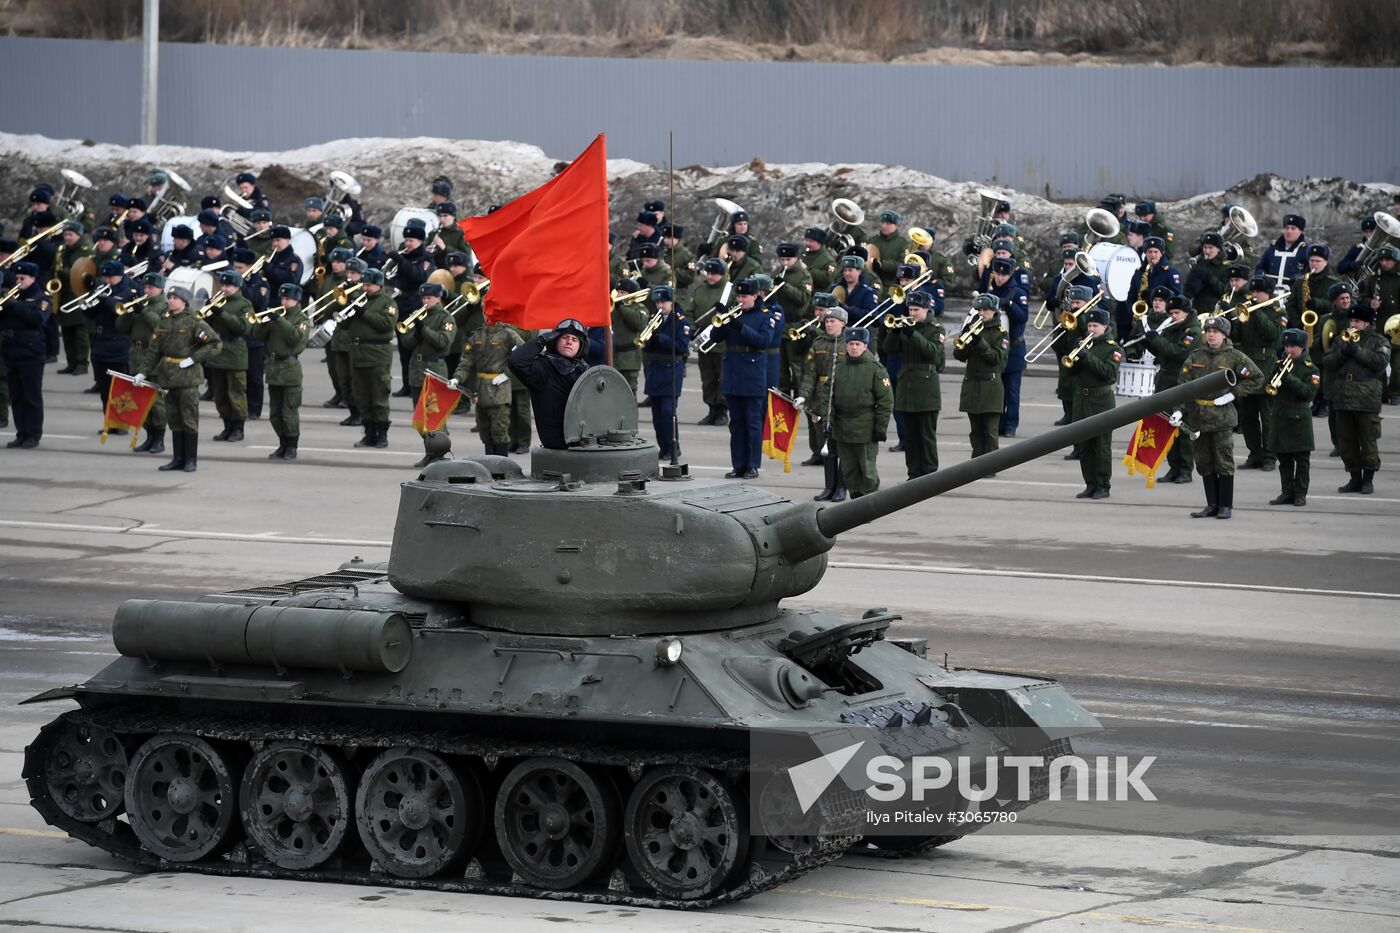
<point>1062,132</point>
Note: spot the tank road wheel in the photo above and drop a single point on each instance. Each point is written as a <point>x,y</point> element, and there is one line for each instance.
<point>557,823</point>
<point>686,831</point>
<point>296,803</point>
<point>182,798</point>
<point>417,815</point>
<point>85,771</point>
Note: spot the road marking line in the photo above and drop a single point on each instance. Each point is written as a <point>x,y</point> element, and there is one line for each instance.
<point>1102,578</point>
<point>155,531</point>
<point>36,833</point>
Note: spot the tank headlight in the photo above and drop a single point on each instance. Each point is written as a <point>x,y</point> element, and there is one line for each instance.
<point>668,651</point>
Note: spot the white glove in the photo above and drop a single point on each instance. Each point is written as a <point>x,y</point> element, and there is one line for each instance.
<point>500,378</point>
<point>452,384</point>
<point>187,362</point>
<point>1175,419</point>
<point>1225,399</point>
<point>799,402</point>
<point>140,380</point>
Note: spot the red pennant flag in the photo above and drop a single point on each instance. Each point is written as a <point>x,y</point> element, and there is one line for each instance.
<point>127,405</point>
<point>436,401</point>
<point>780,429</point>
<point>546,252</point>
<point>1148,449</point>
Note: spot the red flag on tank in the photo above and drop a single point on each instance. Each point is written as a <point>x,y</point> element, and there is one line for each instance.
<point>436,401</point>
<point>546,252</point>
<point>128,404</point>
<point>780,429</point>
<point>1148,449</point>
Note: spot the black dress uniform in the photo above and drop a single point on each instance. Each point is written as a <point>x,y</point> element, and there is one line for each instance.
<point>1292,386</point>
<point>1358,366</point>
<point>22,322</point>
<point>415,265</point>
<point>111,349</point>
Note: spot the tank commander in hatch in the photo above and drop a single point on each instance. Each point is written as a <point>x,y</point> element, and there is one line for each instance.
<point>549,366</point>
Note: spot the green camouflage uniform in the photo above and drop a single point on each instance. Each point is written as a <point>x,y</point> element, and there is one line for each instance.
<point>918,394</point>
<point>140,325</point>
<point>1214,446</point>
<point>1093,376</point>
<point>228,369</point>
<point>1258,339</point>
<point>176,337</point>
<point>982,391</point>
<point>484,357</point>
<point>861,404</point>
<point>370,331</point>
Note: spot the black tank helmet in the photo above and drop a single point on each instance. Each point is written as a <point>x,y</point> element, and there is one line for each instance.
<point>570,326</point>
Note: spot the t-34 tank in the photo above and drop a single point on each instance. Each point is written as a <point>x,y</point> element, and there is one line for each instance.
<point>550,689</point>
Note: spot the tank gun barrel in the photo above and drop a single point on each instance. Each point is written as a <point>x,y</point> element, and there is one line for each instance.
<point>810,531</point>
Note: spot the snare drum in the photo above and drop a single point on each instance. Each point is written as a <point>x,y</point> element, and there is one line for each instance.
<point>201,284</point>
<point>1136,380</point>
<point>1117,265</point>
<point>322,335</point>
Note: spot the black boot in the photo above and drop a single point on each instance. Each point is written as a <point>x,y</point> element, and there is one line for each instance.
<point>721,418</point>
<point>281,449</point>
<point>335,401</point>
<point>709,418</point>
<point>1225,486</point>
<point>371,430</point>
<point>208,395</point>
<point>290,451</point>
<point>236,431</point>
<point>1086,492</point>
<point>154,436</point>
<point>839,493</point>
<point>1210,482</point>
<point>381,436</point>
<point>814,460</point>
<point>402,392</point>
<point>832,478</point>
<point>224,434</point>
<point>177,457</point>
<point>352,420</point>
<point>191,451</point>
<point>1367,487</point>
<point>1354,485</point>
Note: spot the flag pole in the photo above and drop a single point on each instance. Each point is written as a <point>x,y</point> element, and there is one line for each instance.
<point>671,203</point>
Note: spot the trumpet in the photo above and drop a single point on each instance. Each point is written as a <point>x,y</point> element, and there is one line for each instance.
<point>262,317</point>
<point>1068,321</point>
<point>126,307</point>
<point>256,267</point>
<point>408,323</point>
<point>623,298</point>
<point>28,245</point>
<point>347,312</point>
<point>339,295</point>
<point>212,305</point>
<point>475,292</point>
<point>1351,335</point>
<point>1276,380</point>
<point>1243,312</point>
<point>650,329</point>
<point>706,342</point>
<point>1072,356</point>
<point>894,322</point>
<point>969,334</point>
<point>796,331</point>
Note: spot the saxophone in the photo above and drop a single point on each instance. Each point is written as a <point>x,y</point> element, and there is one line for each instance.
<point>1140,306</point>
<point>1306,317</point>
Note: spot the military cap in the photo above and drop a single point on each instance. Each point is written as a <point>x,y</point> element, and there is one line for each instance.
<point>215,241</point>
<point>838,312</point>
<point>356,264</point>
<point>1294,337</point>
<point>208,218</point>
<point>7,245</point>
<point>157,177</point>
<point>648,251</point>
<point>1068,237</point>
<point>852,262</point>
<point>815,234</point>
<point>1320,249</point>
<point>923,254</point>
<point>179,291</point>
<point>154,279</point>
<point>245,178</point>
<point>920,300</point>
<point>856,333</point>
<point>289,290</point>
<point>112,267</point>
<point>371,230</point>
<point>1362,312</point>
<point>118,200</point>
<point>1295,220</point>
<point>1162,292</point>
<point>1079,293</point>
<point>655,206</point>
<point>261,214</point>
<point>738,242</point>
<point>712,266</point>
<point>242,255</point>
<point>1368,223</point>
<point>662,293</point>
<point>1389,252</point>
<point>1002,265</point>
<point>1096,316</point>
<point>823,300</point>
<point>373,277</point>
<point>739,217</point>
<point>415,230</point>
<point>612,238</point>
<point>447,207</point>
<point>142,226</point>
<point>25,267</point>
<point>1212,239</point>
<point>858,250</point>
<point>1144,207</point>
<point>334,220</point>
<point>672,231</point>
<point>457,258</point>
<point>648,218</point>
<point>209,202</point>
<point>105,233</point>
<point>788,249</point>
<point>931,230</point>
<point>1155,242</point>
<point>136,204</point>
<point>313,204</point>
<point>432,289</point>
<point>340,254</point>
<point>441,186</point>
<point>1004,229</point>
<point>890,217</point>
<point>230,277</point>
<point>746,287</point>
<point>628,285</point>
<point>764,281</point>
<point>73,226</point>
<point>1069,252</point>
<point>906,270</point>
<point>1111,202</point>
<point>41,195</point>
<point>1225,210</point>
<point>1338,289</point>
<point>1237,270</point>
<point>1004,243</point>
<point>1003,206</point>
<point>985,301</point>
<point>493,208</point>
<point>1259,284</point>
<point>1178,303</point>
<point>477,270</point>
<point>1137,227</point>
<point>280,233</point>
<point>181,232</point>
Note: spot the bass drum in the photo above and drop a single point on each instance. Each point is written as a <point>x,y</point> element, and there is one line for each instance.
<point>401,219</point>
<point>167,242</point>
<point>304,245</point>
<point>323,333</point>
<point>200,283</point>
<point>1117,265</point>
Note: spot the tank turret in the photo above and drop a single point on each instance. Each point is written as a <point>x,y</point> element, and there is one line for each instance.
<point>597,540</point>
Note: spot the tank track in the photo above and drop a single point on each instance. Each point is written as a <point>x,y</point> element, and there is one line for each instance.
<point>766,870</point>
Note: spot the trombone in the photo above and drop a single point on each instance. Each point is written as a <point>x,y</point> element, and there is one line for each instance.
<point>88,299</point>
<point>1072,356</point>
<point>1243,312</point>
<point>10,296</point>
<point>356,303</point>
<point>624,298</point>
<point>475,292</point>
<point>706,342</point>
<point>1276,380</point>
<point>28,245</point>
<point>1068,321</point>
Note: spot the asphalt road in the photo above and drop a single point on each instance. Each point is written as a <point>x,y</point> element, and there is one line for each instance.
<point>1254,658</point>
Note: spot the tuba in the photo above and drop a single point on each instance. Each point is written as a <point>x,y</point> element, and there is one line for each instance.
<point>164,207</point>
<point>845,214</point>
<point>1239,226</point>
<point>980,255</point>
<point>67,198</point>
<point>342,185</point>
<point>1387,233</point>
<point>720,228</point>
<point>233,203</point>
<point>1101,224</point>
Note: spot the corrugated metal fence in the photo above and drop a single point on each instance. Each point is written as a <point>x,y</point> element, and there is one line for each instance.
<point>1064,132</point>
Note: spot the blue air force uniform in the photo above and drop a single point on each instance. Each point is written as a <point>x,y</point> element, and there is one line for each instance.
<point>663,365</point>
<point>745,383</point>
